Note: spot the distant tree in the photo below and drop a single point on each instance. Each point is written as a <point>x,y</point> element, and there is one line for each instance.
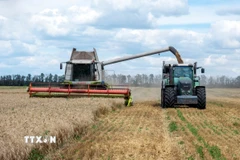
<point>23,82</point>
<point>151,77</point>
<point>55,78</point>
<point>61,78</point>
<point>122,79</point>
<point>50,77</point>
<point>238,82</point>
<point>29,78</point>
<point>203,80</point>
<point>114,79</point>
<point>210,81</point>
<point>138,79</point>
<point>128,79</point>
<point>41,77</point>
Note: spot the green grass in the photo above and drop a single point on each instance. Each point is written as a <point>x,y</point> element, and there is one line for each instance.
<point>35,154</point>
<point>199,150</point>
<point>110,129</point>
<point>77,137</point>
<point>46,132</point>
<point>212,127</point>
<point>192,129</point>
<point>181,142</point>
<point>217,104</point>
<point>235,132</point>
<point>183,128</point>
<point>180,115</point>
<point>214,151</point>
<point>13,87</point>
<point>236,124</point>
<point>168,117</point>
<point>94,127</point>
<point>190,158</point>
<point>172,126</point>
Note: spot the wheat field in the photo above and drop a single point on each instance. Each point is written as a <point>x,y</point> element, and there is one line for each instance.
<point>98,128</point>
<point>61,117</point>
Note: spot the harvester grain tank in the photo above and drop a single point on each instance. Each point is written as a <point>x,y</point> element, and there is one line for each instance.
<point>84,75</point>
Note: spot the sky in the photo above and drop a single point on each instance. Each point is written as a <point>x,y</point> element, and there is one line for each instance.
<point>35,36</point>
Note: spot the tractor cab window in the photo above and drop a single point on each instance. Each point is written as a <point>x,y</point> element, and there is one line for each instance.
<point>183,71</point>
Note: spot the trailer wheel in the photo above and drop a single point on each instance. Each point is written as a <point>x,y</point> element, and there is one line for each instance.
<point>169,97</point>
<point>201,95</point>
<point>162,98</point>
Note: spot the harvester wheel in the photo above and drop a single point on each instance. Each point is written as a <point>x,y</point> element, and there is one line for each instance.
<point>201,95</point>
<point>169,97</point>
<point>162,98</point>
<point>129,101</point>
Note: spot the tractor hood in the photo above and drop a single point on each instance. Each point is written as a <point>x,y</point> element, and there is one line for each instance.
<point>184,85</point>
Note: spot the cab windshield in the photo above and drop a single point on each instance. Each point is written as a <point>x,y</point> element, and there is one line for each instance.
<point>183,71</point>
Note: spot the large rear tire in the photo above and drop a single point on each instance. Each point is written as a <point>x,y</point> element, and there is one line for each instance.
<point>201,95</point>
<point>169,97</point>
<point>162,98</point>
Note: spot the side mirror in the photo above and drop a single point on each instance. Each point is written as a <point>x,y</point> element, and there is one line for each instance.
<point>202,70</point>
<point>60,65</point>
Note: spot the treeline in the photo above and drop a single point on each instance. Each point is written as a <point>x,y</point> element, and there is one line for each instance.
<point>21,80</point>
<point>145,80</point>
<point>155,80</point>
<point>220,81</point>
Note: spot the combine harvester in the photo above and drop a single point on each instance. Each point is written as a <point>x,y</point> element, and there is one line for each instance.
<point>84,76</point>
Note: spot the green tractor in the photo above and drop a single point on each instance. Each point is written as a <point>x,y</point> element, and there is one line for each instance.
<point>181,86</point>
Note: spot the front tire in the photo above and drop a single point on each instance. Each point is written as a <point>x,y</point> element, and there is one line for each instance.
<point>201,95</point>
<point>169,97</point>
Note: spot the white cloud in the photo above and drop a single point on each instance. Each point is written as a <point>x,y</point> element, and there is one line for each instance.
<point>212,60</point>
<point>116,5</point>
<point>83,15</point>
<point>228,11</point>
<point>2,18</point>
<point>6,48</point>
<point>157,61</point>
<point>30,47</point>
<point>92,31</point>
<point>226,33</point>
<point>57,22</point>
<point>157,7</point>
<point>51,21</point>
<point>156,37</point>
<point>2,66</point>
<point>39,62</point>
<point>236,70</point>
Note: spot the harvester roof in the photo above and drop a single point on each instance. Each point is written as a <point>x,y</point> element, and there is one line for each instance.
<point>84,57</point>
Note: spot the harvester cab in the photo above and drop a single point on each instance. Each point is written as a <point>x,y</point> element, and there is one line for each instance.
<point>181,85</point>
<point>83,67</point>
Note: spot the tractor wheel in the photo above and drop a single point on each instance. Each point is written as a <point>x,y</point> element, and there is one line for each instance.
<point>201,95</point>
<point>162,98</point>
<point>169,97</point>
